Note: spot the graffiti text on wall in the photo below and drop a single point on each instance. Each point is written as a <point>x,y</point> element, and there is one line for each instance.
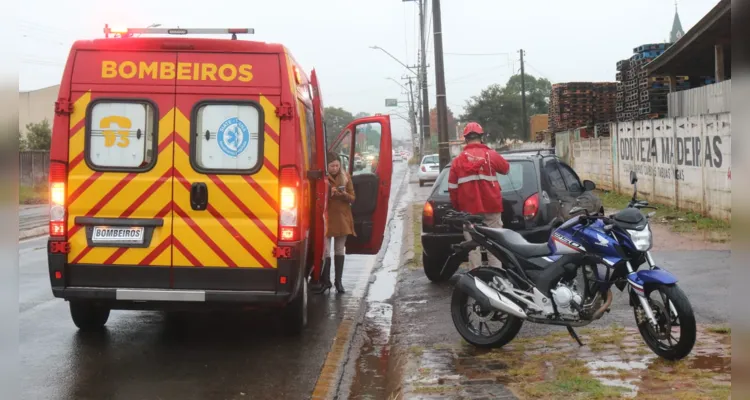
<point>688,151</point>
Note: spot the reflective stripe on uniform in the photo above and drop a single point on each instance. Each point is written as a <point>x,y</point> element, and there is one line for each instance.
<point>470,178</point>
<point>452,185</point>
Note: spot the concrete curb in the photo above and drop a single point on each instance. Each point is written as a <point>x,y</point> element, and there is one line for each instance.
<point>33,232</point>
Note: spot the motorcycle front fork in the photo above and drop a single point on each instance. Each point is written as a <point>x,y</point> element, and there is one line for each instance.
<point>642,296</point>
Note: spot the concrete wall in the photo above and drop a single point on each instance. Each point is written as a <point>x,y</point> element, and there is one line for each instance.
<point>593,161</point>
<point>36,105</point>
<point>683,162</point>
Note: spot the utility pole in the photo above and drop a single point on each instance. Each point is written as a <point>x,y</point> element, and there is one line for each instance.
<point>525,134</point>
<point>412,116</point>
<point>423,78</point>
<point>442,104</point>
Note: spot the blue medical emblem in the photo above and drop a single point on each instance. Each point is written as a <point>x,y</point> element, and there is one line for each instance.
<point>233,137</point>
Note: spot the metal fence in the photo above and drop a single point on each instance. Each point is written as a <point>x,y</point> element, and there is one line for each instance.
<point>709,99</point>
<point>33,168</point>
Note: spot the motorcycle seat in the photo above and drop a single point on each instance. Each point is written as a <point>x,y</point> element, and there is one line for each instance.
<point>514,242</point>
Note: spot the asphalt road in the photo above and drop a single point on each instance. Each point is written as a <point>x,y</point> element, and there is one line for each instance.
<point>421,311</point>
<point>32,216</point>
<point>149,355</point>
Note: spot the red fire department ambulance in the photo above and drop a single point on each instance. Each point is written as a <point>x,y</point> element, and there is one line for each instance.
<point>190,173</point>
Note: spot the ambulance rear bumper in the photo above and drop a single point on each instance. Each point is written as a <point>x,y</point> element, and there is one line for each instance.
<point>132,287</point>
<point>128,298</point>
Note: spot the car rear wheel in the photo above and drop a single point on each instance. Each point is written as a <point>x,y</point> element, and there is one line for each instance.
<point>434,265</point>
<point>421,183</point>
<point>88,316</point>
<point>295,313</point>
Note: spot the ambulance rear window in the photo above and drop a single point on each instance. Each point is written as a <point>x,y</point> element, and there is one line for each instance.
<point>227,137</point>
<point>121,135</point>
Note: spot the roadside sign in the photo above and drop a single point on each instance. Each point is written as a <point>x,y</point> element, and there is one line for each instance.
<point>391,102</point>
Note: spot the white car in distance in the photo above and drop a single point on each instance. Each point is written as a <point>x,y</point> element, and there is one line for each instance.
<point>429,169</point>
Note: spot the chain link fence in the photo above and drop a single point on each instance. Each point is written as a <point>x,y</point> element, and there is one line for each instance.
<point>33,168</point>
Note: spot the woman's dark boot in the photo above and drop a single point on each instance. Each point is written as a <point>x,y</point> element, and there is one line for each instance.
<point>325,277</point>
<point>339,265</point>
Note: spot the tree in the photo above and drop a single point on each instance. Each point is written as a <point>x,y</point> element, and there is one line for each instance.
<point>499,109</point>
<point>451,122</point>
<point>22,145</point>
<point>38,136</point>
<point>336,121</point>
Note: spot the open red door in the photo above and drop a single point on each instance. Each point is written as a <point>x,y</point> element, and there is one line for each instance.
<point>321,184</point>
<point>366,144</point>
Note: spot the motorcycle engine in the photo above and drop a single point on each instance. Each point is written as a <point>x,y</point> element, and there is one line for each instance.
<point>567,299</point>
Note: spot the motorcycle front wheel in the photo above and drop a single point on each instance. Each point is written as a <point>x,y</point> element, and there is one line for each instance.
<point>669,319</point>
<point>480,327</point>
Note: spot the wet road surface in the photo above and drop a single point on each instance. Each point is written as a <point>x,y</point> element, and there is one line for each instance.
<point>152,355</point>
<point>32,216</point>
<point>415,315</point>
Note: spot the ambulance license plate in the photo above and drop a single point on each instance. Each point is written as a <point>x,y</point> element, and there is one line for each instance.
<point>117,234</point>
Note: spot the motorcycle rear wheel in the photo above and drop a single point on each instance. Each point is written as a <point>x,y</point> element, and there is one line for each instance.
<point>462,307</point>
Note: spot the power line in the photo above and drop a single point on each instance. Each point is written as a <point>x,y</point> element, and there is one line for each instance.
<point>406,39</point>
<point>429,26</point>
<point>29,25</point>
<point>482,71</point>
<point>541,74</point>
<point>44,39</point>
<point>477,54</point>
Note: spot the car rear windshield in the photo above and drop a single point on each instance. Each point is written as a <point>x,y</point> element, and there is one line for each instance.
<point>430,160</point>
<point>520,178</point>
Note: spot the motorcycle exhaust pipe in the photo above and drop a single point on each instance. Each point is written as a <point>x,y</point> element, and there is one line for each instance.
<point>488,297</point>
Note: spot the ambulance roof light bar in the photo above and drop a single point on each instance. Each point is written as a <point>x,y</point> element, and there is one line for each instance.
<point>129,32</point>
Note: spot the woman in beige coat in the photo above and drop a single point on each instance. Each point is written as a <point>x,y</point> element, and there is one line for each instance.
<point>340,222</point>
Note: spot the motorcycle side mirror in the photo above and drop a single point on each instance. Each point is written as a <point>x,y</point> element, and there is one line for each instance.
<point>633,178</point>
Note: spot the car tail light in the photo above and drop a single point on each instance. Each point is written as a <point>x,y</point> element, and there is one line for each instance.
<point>531,206</point>
<point>289,204</point>
<point>57,214</point>
<point>424,169</point>
<point>428,215</point>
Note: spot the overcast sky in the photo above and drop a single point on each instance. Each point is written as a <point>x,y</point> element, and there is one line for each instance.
<point>570,40</point>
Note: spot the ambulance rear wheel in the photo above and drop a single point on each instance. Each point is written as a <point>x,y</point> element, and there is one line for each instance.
<point>88,316</point>
<point>295,313</point>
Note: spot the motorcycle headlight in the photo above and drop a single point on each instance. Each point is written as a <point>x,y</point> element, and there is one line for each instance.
<point>641,239</point>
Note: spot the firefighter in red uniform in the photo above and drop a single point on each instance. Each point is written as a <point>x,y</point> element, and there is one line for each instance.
<point>473,184</point>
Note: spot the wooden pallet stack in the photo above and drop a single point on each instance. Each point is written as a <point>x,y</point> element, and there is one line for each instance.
<point>640,96</point>
<point>580,104</point>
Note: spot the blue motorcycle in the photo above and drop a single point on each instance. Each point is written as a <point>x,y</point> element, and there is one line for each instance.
<point>568,280</point>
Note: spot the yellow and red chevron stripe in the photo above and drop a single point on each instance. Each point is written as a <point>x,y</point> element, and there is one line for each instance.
<point>238,229</point>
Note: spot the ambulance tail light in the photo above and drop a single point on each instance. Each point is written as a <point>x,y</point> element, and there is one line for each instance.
<point>289,204</point>
<point>57,213</point>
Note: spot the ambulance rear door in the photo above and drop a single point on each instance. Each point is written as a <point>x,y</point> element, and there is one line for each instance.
<point>370,138</point>
<point>321,183</point>
<point>119,172</point>
<point>226,165</point>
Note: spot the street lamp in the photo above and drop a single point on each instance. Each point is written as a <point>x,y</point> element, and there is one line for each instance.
<point>394,58</point>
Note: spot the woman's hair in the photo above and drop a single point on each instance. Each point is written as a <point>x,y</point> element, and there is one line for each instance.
<point>333,157</point>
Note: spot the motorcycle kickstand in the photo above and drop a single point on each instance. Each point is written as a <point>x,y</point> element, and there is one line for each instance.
<point>574,335</point>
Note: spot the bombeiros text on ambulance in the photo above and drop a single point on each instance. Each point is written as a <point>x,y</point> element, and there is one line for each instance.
<point>165,70</point>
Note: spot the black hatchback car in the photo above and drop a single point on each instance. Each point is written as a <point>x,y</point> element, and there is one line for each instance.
<point>538,193</point>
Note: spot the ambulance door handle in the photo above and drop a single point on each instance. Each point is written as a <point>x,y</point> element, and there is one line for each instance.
<point>199,196</point>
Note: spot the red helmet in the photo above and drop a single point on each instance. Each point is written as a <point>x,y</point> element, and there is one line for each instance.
<point>473,127</point>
